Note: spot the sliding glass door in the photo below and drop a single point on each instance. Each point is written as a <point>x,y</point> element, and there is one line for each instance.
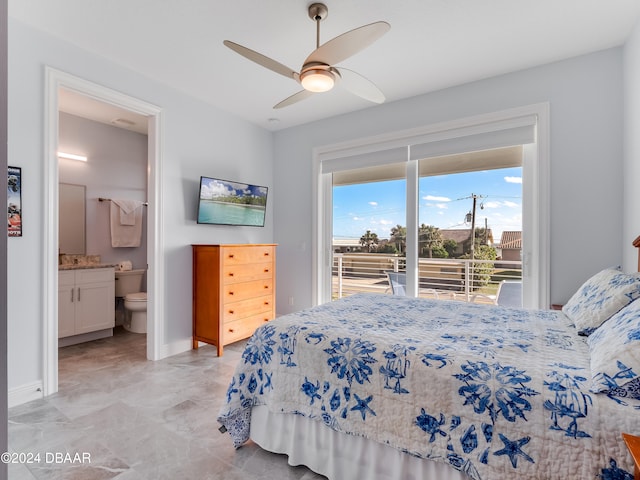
<point>370,233</point>
<point>369,239</point>
<point>487,175</point>
<point>469,204</point>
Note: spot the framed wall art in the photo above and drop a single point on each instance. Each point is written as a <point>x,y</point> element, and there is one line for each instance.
<point>14,201</point>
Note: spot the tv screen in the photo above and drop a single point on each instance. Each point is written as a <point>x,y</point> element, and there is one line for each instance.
<point>222,202</point>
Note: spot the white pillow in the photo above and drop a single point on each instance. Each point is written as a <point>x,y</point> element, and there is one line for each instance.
<point>600,297</point>
<point>615,352</point>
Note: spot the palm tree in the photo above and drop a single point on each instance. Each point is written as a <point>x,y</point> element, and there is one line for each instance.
<point>399,237</point>
<point>369,240</point>
<point>429,237</point>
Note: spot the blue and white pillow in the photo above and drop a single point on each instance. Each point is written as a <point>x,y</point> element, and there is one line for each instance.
<point>615,353</point>
<point>600,297</point>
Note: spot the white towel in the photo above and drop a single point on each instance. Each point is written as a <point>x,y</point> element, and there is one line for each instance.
<point>128,210</point>
<point>125,235</point>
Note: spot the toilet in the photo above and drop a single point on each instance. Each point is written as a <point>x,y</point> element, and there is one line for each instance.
<point>129,286</point>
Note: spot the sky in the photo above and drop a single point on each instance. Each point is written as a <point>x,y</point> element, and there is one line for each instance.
<point>444,202</point>
<point>212,187</point>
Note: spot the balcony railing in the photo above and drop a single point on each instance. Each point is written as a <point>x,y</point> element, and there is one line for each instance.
<point>441,278</point>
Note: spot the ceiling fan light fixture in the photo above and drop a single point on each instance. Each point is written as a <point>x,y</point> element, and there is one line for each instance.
<point>317,80</point>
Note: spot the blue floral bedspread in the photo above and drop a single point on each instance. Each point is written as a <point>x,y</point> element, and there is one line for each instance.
<point>492,391</point>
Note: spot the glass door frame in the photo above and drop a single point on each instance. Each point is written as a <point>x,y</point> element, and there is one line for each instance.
<point>535,208</point>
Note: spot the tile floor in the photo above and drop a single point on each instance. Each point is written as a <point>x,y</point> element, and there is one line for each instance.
<point>137,419</point>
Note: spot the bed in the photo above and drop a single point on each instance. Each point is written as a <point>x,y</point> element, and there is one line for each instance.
<point>389,387</point>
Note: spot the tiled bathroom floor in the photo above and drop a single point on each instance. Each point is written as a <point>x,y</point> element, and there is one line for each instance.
<point>137,419</point>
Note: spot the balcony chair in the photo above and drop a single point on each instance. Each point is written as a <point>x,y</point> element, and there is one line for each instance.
<point>509,294</point>
<point>398,283</point>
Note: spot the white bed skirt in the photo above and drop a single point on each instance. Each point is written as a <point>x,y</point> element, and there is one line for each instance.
<point>338,456</point>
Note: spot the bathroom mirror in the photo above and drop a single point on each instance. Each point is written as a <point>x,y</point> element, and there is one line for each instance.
<point>71,214</point>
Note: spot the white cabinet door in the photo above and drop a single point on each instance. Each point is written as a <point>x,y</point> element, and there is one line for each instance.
<point>95,307</point>
<point>86,301</point>
<point>66,304</point>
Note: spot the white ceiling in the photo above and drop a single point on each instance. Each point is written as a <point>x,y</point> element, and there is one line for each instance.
<point>432,44</point>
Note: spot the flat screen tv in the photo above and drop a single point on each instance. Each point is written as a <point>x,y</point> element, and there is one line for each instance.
<point>222,202</point>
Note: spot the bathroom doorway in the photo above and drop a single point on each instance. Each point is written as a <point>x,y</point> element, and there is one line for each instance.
<point>102,164</point>
<point>61,86</point>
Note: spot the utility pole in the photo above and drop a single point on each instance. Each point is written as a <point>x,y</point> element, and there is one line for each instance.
<point>473,226</point>
<point>472,214</point>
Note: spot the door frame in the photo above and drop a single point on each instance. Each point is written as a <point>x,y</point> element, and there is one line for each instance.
<point>54,80</point>
<point>536,175</point>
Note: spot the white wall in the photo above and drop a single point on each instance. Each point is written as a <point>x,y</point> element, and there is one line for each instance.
<point>631,148</point>
<point>586,104</point>
<point>4,441</point>
<point>198,140</point>
<point>116,168</point>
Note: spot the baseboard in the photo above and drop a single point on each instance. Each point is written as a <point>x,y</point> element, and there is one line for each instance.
<point>85,337</point>
<point>180,346</point>
<point>174,348</point>
<point>25,393</point>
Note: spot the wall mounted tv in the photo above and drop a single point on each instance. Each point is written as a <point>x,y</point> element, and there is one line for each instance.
<point>222,202</point>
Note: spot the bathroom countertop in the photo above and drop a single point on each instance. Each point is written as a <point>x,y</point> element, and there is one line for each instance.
<point>85,266</point>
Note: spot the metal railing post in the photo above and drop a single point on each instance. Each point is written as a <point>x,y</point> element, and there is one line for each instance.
<point>340,277</point>
<point>467,279</point>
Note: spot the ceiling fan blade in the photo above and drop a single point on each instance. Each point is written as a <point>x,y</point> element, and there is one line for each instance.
<point>295,98</point>
<point>262,60</point>
<point>348,44</point>
<point>360,86</point>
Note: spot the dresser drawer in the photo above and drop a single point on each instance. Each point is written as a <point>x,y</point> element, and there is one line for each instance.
<point>234,331</point>
<point>235,292</point>
<point>246,272</point>
<point>237,310</point>
<point>242,255</point>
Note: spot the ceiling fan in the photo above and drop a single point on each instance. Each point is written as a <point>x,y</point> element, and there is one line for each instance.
<point>318,72</point>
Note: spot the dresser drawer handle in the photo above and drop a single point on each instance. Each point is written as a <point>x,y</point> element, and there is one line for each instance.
<point>230,312</point>
<point>231,330</point>
<point>266,319</point>
<point>231,274</point>
<point>266,303</point>
<point>266,270</point>
<point>266,254</point>
<point>230,293</point>
<point>266,286</point>
<point>231,255</point>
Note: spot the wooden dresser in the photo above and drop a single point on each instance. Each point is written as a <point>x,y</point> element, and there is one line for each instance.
<point>233,291</point>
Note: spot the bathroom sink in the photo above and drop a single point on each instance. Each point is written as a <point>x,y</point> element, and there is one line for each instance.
<point>85,266</point>
<point>75,262</point>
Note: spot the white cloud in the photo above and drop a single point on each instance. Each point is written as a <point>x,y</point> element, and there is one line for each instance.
<point>513,179</point>
<point>506,203</point>
<point>373,204</point>
<point>215,188</point>
<point>436,199</point>
<point>492,204</point>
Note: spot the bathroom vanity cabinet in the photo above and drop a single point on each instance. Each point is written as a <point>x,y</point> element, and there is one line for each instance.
<point>233,291</point>
<point>86,300</point>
